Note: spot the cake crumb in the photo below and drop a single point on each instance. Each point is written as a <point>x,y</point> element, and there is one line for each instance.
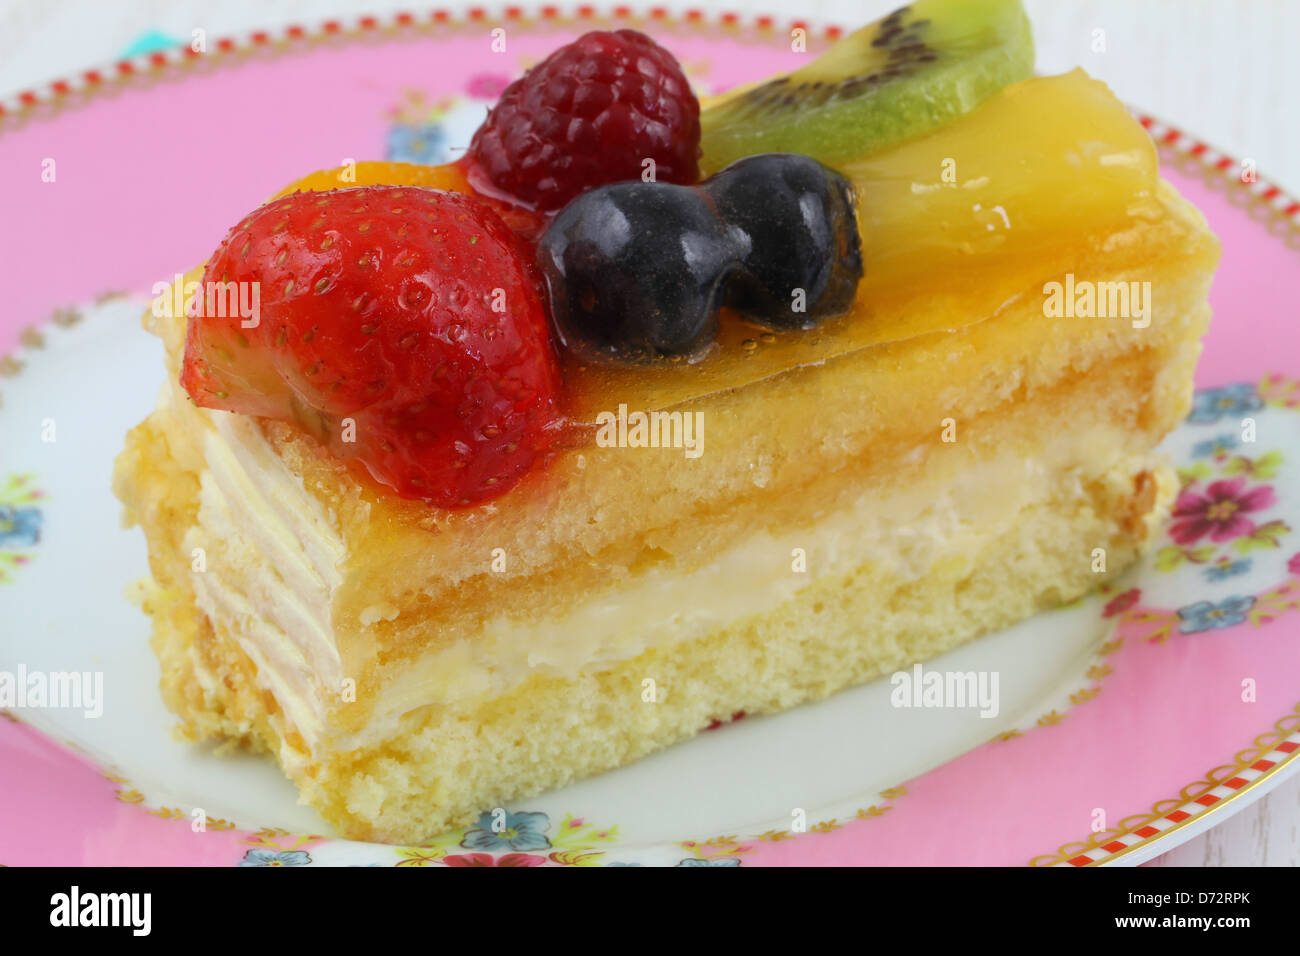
<point>378,612</point>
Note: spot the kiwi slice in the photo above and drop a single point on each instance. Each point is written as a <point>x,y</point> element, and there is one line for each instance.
<point>896,78</point>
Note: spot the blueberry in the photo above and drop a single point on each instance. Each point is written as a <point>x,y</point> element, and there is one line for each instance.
<point>801,258</point>
<point>636,271</point>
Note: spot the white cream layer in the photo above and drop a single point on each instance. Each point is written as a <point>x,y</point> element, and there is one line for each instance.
<point>270,563</point>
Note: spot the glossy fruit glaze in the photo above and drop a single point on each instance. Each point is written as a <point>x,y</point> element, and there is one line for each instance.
<point>956,219</point>
<point>953,221</point>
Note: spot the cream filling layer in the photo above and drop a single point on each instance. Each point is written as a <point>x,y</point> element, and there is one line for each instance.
<point>285,553</point>
<point>904,536</point>
<point>266,558</point>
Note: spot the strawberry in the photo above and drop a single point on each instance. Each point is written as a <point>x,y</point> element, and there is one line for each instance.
<point>400,326</point>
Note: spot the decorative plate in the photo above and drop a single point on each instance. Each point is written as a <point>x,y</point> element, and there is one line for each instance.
<point>1127,722</point>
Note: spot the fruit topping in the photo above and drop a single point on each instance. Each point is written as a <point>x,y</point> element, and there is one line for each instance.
<point>914,70</point>
<point>801,258</point>
<point>610,106</point>
<point>638,271</point>
<point>381,173</point>
<point>448,176</point>
<point>969,202</point>
<point>400,326</point>
<point>1059,157</point>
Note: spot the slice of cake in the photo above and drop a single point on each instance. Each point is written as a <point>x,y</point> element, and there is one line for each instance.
<point>536,559</point>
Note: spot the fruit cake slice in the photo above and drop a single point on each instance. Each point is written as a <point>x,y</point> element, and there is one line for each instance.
<point>535,559</point>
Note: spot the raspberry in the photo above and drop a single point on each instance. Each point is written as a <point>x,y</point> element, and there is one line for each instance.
<point>399,326</point>
<point>591,113</point>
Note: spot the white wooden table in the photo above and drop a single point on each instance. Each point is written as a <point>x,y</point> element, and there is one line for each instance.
<point>1222,69</point>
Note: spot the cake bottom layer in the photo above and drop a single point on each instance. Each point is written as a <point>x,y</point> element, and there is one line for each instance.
<point>446,764</point>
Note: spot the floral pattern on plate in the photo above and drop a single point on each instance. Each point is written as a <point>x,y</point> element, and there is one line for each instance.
<point>21,519</point>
